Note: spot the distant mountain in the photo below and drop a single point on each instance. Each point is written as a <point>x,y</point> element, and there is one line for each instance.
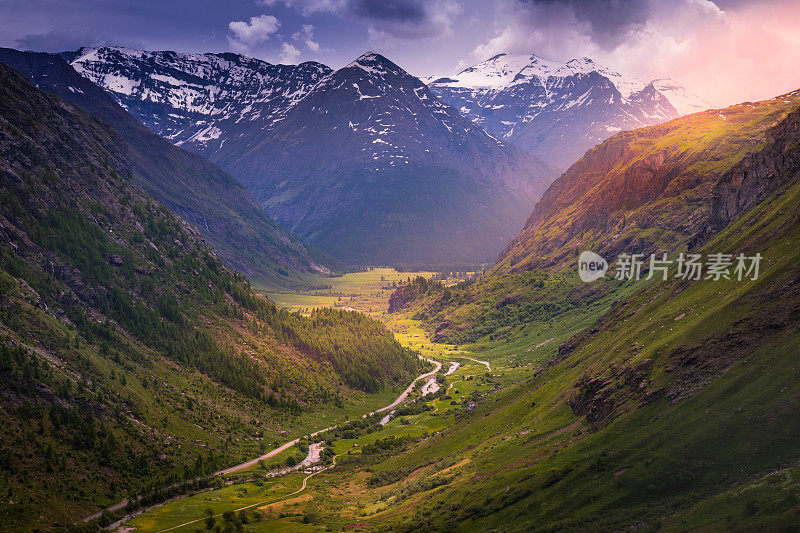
<point>645,190</point>
<point>364,163</point>
<point>557,111</point>
<point>683,101</point>
<point>204,102</point>
<point>372,165</point>
<point>224,212</point>
<point>128,351</point>
<point>661,189</point>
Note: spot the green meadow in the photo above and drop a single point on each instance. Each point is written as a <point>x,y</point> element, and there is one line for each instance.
<point>366,291</point>
<point>276,501</point>
<point>249,486</point>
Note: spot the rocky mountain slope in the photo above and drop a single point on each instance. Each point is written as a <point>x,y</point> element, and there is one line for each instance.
<point>199,101</point>
<point>644,190</point>
<point>128,351</point>
<point>364,163</point>
<point>673,411</point>
<point>372,165</point>
<point>661,189</point>
<point>557,111</point>
<point>226,214</point>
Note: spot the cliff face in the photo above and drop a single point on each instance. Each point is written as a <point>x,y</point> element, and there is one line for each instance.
<point>758,174</point>
<point>402,298</point>
<point>556,111</point>
<point>227,216</point>
<point>658,187</point>
<point>661,189</point>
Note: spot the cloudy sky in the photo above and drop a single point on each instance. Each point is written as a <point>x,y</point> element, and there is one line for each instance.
<point>725,51</point>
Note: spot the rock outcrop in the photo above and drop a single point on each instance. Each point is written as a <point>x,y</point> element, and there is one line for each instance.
<point>654,189</point>
<point>758,174</point>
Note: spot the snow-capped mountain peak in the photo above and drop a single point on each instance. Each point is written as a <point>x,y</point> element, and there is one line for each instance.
<point>495,72</point>
<point>374,63</point>
<point>503,70</point>
<point>358,161</point>
<point>685,102</point>
<point>581,64</point>
<point>390,114</point>
<point>195,99</point>
<point>556,110</point>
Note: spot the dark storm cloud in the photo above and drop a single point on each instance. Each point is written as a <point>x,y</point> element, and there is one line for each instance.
<point>404,19</point>
<point>609,21</point>
<point>389,10</point>
<point>56,25</point>
<point>60,41</point>
<point>53,41</point>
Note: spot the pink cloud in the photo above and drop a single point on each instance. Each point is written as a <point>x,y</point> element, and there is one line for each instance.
<point>748,52</point>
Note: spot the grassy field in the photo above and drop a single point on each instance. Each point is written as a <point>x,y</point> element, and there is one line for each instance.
<point>250,495</point>
<point>410,333</point>
<point>367,291</point>
<point>273,504</point>
<point>277,507</point>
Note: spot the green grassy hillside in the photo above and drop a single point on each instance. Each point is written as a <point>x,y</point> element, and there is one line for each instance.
<point>679,402</point>
<point>645,191</point>
<point>225,214</point>
<point>131,357</point>
<point>676,411</point>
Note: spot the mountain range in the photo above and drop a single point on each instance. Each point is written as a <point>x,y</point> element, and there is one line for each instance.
<point>363,163</point>
<point>653,190</point>
<point>650,404</point>
<point>557,111</point>
<point>224,212</point>
<point>372,165</point>
<point>205,103</point>
<point>131,356</point>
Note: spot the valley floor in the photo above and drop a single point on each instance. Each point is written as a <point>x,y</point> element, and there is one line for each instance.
<point>502,446</point>
<point>280,501</point>
<point>276,500</point>
<point>367,291</point>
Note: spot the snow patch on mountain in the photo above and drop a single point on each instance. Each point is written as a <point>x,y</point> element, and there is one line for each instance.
<point>685,102</point>
<point>198,100</point>
<point>505,70</point>
<point>556,110</point>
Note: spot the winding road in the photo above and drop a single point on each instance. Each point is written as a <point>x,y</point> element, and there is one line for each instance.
<point>268,502</point>
<point>405,393</point>
<point>489,368</point>
<point>289,444</point>
<point>279,449</point>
